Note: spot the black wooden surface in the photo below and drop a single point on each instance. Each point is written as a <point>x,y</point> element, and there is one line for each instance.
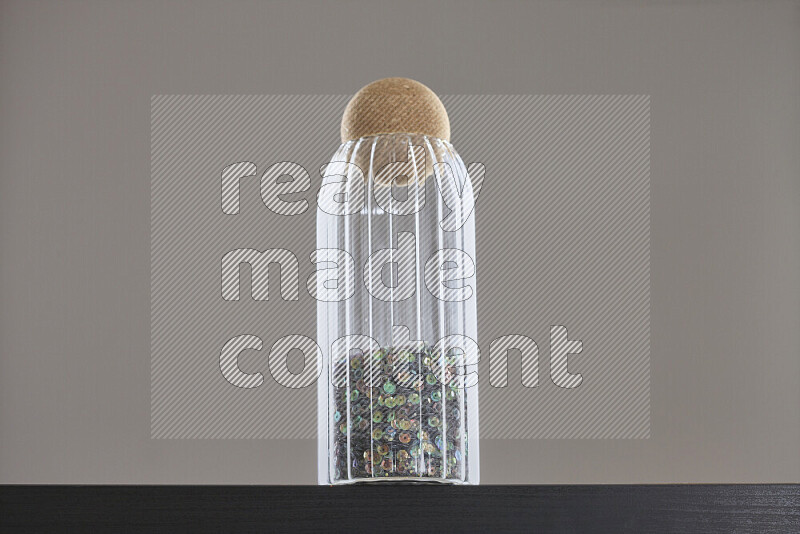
<point>430,509</point>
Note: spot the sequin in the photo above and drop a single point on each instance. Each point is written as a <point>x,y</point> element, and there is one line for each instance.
<point>377,417</point>
<point>433,421</point>
<point>383,450</point>
<point>413,398</point>
<point>436,396</point>
<point>403,377</point>
<point>337,416</point>
<point>377,433</point>
<point>405,437</point>
<point>389,387</point>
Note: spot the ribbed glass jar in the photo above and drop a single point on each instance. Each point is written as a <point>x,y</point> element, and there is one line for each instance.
<point>397,395</point>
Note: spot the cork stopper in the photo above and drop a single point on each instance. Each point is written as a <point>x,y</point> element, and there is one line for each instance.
<point>395,105</point>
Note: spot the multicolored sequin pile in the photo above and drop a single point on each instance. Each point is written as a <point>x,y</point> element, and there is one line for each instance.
<point>410,422</point>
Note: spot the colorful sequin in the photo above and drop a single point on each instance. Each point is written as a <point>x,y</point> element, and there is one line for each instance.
<point>406,423</point>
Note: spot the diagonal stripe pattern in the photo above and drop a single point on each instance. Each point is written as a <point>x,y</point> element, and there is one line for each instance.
<point>563,238</point>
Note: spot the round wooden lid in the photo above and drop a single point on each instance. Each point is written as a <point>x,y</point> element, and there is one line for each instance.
<point>395,105</point>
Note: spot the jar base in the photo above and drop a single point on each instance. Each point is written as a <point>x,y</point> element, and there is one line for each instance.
<point>402,481</point>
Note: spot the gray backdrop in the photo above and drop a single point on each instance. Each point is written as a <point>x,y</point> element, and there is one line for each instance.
<point>76,80</point>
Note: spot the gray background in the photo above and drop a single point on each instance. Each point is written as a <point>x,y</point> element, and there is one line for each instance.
<point>75,86</point>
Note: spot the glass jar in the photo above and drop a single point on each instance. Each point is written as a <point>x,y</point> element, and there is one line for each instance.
<point>396,315</point>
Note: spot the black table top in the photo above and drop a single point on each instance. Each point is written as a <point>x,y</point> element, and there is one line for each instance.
<point>395,508</point>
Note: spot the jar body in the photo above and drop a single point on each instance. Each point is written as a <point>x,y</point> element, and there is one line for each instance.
<point>396,314</point>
